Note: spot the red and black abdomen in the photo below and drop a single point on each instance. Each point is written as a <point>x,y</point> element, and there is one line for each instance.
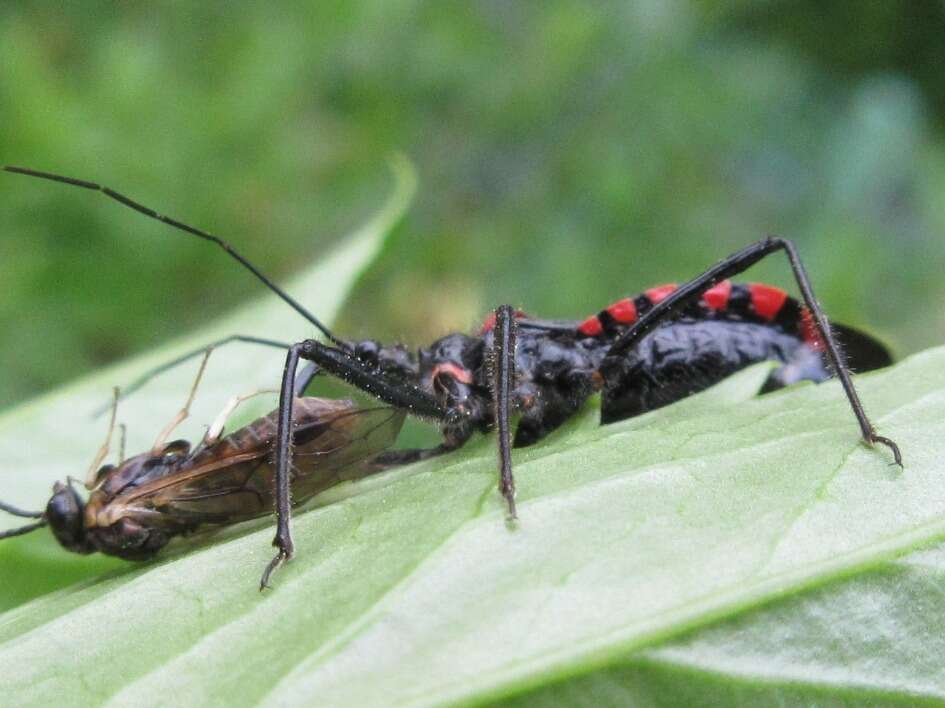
<point>732,326</point>
<point>748,302</point>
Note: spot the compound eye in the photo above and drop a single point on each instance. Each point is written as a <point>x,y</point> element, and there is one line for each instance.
<point>368,352</point>
<point>64,513</point>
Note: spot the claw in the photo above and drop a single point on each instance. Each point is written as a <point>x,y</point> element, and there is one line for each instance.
<point>897,456</point>
<point>509,495</point>
<point>281,557</point>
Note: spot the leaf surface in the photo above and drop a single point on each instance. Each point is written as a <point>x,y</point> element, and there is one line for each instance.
<point>876,639</point>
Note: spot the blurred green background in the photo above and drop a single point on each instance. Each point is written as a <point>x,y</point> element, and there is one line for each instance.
<point>568,153</point>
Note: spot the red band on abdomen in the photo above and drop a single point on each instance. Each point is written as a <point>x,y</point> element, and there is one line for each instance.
<point>591,327</point>
<point>623,311</point>
<point>766,300</point>
<point>658,294</point>
<point>716,297</point>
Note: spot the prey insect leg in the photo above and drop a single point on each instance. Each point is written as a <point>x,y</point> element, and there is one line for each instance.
<point>396,458</point>
<point>122,436</point>
<point>215,431</point>
<point>733,265</point>
<point>90,478</point>
<point>184,412</point>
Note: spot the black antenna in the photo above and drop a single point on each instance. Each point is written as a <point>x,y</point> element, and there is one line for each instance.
<point>26,514</point>
<point>22,530</point>
<point>147,211</point>
<point>10,509</point>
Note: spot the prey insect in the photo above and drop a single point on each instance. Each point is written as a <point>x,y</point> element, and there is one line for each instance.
<point>640,353</point>
<point>137,506</point>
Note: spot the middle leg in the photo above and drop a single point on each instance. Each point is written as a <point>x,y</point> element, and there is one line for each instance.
<point>502,376</point>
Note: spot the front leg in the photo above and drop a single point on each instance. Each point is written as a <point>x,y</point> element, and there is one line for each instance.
<point>283,450</point>
<point>372,380</point>
<point>353,371</point>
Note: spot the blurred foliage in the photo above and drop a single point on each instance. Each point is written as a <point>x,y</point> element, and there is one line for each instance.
<point>569,153</point>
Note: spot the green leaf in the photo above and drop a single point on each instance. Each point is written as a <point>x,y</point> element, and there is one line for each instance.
<point>410,588</point>
<point>876,639</point>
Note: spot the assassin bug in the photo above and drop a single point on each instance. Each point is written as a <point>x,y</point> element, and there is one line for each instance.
<point>138,505</point>
<point>640,353</point>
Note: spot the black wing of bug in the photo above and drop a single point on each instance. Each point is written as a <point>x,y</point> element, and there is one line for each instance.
<point>861,351</point>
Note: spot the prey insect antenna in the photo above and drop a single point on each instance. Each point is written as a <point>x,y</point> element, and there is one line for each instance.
<point>22,530</point>
<point>10,509</point>
<point>149,212</point>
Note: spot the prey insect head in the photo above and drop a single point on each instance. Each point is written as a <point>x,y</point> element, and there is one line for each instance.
<point>64,514</point>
